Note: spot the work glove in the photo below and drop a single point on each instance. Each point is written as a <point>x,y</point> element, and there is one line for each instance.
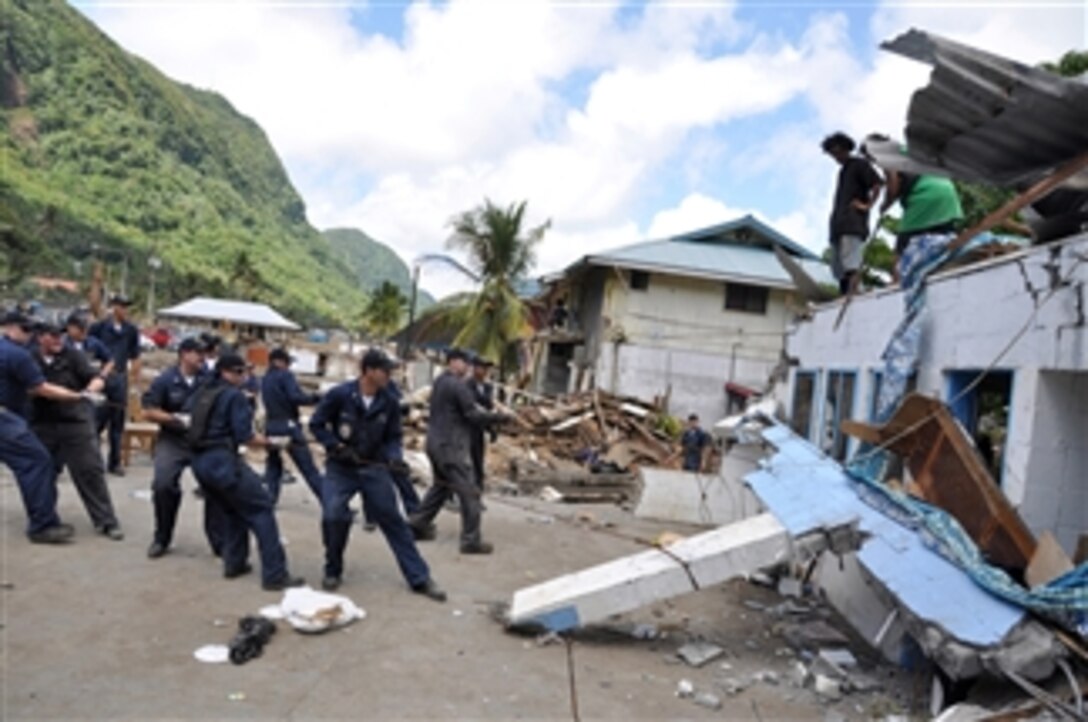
<point>94,397</point>
<point>400,467</point>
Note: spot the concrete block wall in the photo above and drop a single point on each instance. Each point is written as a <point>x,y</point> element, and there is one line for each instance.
<point>697,380</point>
<point>1055,497</point>
<point>973,315</point>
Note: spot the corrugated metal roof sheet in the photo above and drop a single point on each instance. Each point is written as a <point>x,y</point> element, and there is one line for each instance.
<point>716,261</point>
<point>807,491</point>
<point>242,313</point>
<point>987,118</point>
<point>741,250</point>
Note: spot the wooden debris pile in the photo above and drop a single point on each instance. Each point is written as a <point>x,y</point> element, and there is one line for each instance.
<point>583,447</point>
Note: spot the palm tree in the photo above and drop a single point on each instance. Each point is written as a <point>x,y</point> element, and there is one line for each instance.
<point>385,309</point>
<point>501,252</point>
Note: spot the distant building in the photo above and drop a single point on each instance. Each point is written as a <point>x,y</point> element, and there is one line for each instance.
<point>679,318</point>
<point>1005,342</point>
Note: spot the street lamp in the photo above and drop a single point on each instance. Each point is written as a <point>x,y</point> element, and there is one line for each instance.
<point>154,263</point>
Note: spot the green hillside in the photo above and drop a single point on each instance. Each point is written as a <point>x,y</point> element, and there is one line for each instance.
<point>102,155</point>
<point>371,262</point>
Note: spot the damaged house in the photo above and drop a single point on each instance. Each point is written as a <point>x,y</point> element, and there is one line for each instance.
<point>675,318</point>
<point>930,475</point>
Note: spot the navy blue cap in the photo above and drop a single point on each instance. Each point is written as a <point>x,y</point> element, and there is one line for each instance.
<point>17,318</point>
<point>375,358</point>
<point>230,362</point>
<point>76,319</point>
<point>118,300</point>
<point>190,344</point>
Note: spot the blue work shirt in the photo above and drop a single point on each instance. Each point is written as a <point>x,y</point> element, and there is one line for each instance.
<point>123,342</point>
<point>231,418</point>
<point>374,433</point>
<point>92,348</point>
<point>18,374</point>
<point>693,442</point>
<point>282,396</point>
<point>170,392</point>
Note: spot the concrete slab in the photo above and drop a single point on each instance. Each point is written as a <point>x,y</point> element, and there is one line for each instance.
<point>706,499</point>
<point>594,594</point>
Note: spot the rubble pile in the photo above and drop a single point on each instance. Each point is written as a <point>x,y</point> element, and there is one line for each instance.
<point>580,448</point>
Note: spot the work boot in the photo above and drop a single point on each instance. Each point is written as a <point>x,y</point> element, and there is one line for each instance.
<point>284,582</point>
<point>426,533</point>
<point>117,470</point>
<point>238,571</point>
<point>156,550</point>
<point>480,547</point>
<point>56,534</point>
<point>330,583</point>
<point>430,590</point>
<point>370,527</point>
<point>113,531</point>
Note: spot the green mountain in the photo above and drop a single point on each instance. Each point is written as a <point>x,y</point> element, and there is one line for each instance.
<point>101,155</point>
<point>371,262</point>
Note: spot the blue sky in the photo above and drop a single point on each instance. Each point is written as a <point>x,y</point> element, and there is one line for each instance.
<point>617,121</point>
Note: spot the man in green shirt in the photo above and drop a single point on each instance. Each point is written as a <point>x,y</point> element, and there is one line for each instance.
<point>930,203</point>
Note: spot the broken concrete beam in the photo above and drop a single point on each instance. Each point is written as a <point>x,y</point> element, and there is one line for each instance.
<point>594,594</point>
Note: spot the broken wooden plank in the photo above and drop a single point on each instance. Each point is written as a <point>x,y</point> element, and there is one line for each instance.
<point>572,422</point>
<point>634,410</point>
<point>595,594</point>
<point>1048,562</point>
<point>950,474</point>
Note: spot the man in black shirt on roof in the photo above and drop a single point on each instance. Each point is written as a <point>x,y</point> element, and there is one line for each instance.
<point>857,190</point>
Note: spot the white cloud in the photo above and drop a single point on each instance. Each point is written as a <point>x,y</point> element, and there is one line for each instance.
<point>395,136</point>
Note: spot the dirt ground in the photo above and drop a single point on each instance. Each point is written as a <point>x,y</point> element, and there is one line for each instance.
<point>97,630</point>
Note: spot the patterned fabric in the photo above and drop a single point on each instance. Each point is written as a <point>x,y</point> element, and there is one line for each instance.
<point>1063,600</point>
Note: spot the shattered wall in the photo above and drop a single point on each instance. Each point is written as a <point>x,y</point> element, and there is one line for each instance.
<point>1056,498</point>
<point>974,315</point>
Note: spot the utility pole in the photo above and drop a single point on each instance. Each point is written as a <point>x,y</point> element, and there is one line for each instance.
<point>406,345</point>
<point>154,263</point>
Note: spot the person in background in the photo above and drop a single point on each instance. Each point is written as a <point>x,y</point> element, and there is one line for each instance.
<point>282,399</point>
<point>221,423</point>
<point>484,394</point>
<point>168,403</point>
<point>122,338</point>
<point>856,191</point>
<point>212,346</point>
<point>695,443</point>
<point>454,415</point>
<point>20,449</point>
<point>560,315</point>
<point>76,337</point>
<point>66,430</point>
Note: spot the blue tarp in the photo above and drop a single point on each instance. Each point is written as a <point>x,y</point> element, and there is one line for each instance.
<point>1064,600</point>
